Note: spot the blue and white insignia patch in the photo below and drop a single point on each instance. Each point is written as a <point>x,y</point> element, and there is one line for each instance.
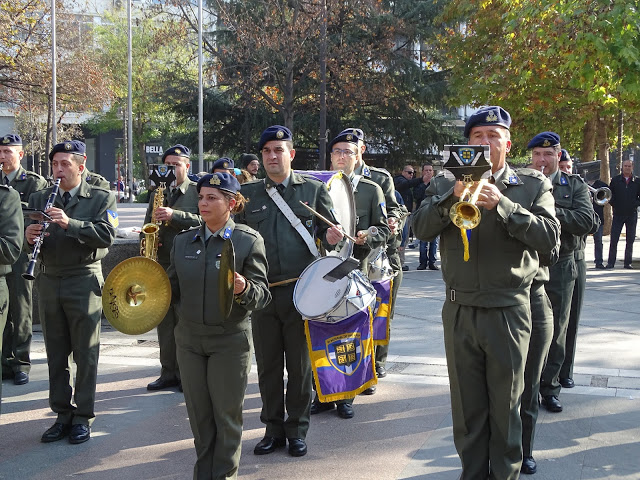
<point>513,180</point>
<point>563,180</point>
<point>218,264</point>
<point>383,208</point>
<point>366,172</point>
<point>23,176</point>
<point>227,233</point>
<point>112,218</point>
<point>309,223</point>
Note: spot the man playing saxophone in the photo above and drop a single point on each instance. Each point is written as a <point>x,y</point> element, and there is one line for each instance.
<point>82,228</point>
<point>179,211</point>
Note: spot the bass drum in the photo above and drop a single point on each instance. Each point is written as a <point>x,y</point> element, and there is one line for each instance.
<point>330,302</point>
<point>344,204</point>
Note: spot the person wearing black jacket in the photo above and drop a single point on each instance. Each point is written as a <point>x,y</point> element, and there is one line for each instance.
<point>625,199</point>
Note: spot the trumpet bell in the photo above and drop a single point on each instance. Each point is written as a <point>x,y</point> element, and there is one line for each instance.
<point>136,295</point>
<point>465,215</point>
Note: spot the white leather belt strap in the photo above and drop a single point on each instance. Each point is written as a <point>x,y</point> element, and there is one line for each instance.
<point>293,220</point>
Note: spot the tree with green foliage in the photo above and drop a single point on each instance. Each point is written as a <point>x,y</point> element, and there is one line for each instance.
<point>563,66</point>
<point>164,57</point>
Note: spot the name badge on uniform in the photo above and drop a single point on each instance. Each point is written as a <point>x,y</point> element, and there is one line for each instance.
<point>191,257</point>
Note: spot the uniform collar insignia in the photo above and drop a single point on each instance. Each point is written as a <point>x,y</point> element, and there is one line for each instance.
<point>513,180</point>
<point>366,172</point>
<point>563,180</point>
<point>227,232</point>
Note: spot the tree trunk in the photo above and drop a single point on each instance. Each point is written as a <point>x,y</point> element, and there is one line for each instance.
<point>588,152</point>
<point>603,154</point>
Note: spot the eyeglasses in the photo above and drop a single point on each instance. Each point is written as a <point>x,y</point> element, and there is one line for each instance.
<point>410,172</point>
<point>338,152</point>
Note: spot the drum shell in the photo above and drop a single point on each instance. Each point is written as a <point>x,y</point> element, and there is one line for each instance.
<point>324,301</point>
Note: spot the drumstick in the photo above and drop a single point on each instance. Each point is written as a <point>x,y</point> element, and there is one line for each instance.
<point>327,221</point>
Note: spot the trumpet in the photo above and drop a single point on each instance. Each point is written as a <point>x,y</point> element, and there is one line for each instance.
<point>601,196</point>
<point>464,214</point>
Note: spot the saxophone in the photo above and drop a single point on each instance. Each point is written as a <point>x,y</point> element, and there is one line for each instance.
<point>149,244</point>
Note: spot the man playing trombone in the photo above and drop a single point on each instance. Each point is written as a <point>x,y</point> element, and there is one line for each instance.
<point>486,314</point>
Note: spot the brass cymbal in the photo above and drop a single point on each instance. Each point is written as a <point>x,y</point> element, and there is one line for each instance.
<point>136,295</point>
<point>226,278</point>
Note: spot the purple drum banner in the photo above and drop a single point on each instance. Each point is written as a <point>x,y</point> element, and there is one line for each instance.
<point>382,309</point>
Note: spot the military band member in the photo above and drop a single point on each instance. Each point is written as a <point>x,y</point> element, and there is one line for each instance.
<point>11,237</point>
<point>566,371</point>
<point>278,329</point>
<point>370,212</point>
<point>16,349</point>
<point>82,228</point>
<point>575,213</point>
<point>179,212</point>
<point>394,211</point>
<point>486,314</point>
<point>214,352</point>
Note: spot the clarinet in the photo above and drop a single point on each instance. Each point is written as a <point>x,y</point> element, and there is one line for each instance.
<point>28,275</point>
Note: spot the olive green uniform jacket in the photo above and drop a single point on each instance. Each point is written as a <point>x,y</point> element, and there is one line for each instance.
<point>11,237</point>
<point>278,329</point>
<point>370,212</point>
<point>215,352</point>
<point>18,332</point>
<point>486,314</point>
<point>184,202</point>
<point>70,291</point>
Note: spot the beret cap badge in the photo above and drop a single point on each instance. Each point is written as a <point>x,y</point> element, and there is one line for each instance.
<point>215,180</point>
<point>5,140</point>
<point>177,150</point>
<point>349,137</point>
<point>225,164</point>
<point>280,134</point>
<point>492,117</point>
<point>68,146</point>
<point>546,143</point>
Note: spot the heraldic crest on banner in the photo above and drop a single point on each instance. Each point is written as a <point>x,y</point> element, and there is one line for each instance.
<point>342,356</point>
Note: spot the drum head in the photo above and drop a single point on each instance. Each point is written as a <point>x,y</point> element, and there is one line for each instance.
<point>344,204</point>
<point>315,297</point>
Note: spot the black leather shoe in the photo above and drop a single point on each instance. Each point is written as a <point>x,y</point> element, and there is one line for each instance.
<point>381,372</point>
<point>317,406</point>
<point>421,267</point>
<point>628,267</point>
<point>57,432</point>
<point>433,267</point>
<point>369,391</point>
<point>599,266</point>
<point>529,466</point>
<point>345,410</point>
<point>551,403</point>
<point>79,433</point>
<point>405,268</point>
<point>163,383</point>
<point>609,266</point>
<point>567,383</point>
<point>297,447</point>
<point>268,445</point>
<point>21,378</point>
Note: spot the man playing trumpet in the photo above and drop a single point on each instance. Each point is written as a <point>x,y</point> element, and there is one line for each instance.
<point>486,314</point>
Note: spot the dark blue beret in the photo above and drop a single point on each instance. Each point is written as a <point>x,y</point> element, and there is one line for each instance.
<point>488,116</point>
<point>344,136</point>
<point>11,139</point>
<point>222,180</point>
<point>545,139</point>
<point>565,157</point>
<point>178,150</point>
<point>73,146</point>
<point>275,132</point>
<point>223,163</point>
<point>354,131</point>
